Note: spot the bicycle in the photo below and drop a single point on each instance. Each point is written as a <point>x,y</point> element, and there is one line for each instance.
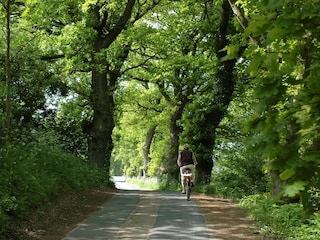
<point>187,176</point>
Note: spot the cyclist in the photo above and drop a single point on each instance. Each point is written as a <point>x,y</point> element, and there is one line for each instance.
<point>186,159</point>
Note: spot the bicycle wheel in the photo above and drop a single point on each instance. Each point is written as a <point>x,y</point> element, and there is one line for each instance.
<point>188,191</point>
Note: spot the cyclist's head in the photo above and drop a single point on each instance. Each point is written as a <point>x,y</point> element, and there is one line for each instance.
<point>186,146</point>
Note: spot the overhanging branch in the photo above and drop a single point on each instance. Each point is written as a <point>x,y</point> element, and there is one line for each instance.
<point>52,57</point>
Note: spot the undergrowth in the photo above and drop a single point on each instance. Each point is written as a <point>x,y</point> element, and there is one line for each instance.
<point>36,170</point>
<point>155,183</point>
<point>281,221</point>
<point>145,183</point>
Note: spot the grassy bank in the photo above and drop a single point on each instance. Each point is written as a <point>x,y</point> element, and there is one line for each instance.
<point>35,172</point>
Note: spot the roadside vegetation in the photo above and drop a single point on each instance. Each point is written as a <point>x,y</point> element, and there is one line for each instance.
<point>35,169</point>
<point>281,221</point>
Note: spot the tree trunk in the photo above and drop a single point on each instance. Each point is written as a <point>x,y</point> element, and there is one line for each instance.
<point>205,140</point>
<point>170,157</point>
<point>146,149</point>
<point>104,76</point>
<point>204,167</point>
<point>277,183</point>
<point>8,73</point>
<point>100,131</point>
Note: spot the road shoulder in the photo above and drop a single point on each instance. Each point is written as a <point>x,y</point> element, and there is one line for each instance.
<point>225,220</point>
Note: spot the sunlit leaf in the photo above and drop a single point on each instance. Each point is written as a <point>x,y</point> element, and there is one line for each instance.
<point>288,173</point>
<point>232,52</point>
<point>295,188</point>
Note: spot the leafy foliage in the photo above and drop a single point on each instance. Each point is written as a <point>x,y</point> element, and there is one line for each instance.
<point>283,66</point>
<point>237,172</point>
<point>274,220</point>
<point>238,175</point>
<point>281,221</point>
<point>36,169</point>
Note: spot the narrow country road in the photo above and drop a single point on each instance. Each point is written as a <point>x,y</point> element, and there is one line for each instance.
<point>141,214</point>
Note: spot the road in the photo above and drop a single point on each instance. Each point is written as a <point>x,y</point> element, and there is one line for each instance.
<point>141,214</point>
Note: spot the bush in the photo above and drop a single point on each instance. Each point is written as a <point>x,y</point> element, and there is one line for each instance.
<point>6,203</point>
<point>174,184</point>
<point>237,176</point>
<point>34,171</point>
<point>275,219</point>
<point>307,231</point>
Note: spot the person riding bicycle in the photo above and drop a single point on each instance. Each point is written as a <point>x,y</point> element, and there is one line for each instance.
<point>186,160</point>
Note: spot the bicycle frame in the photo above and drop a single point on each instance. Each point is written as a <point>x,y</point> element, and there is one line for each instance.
<point>187,178</point>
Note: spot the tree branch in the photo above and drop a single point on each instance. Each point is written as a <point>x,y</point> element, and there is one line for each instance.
<point>52,57</point>
<point>119,25</point>
<point>242,19</point>
<point>139,65</point>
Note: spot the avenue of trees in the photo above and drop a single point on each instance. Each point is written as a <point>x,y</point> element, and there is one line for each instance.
<point>120,86</point>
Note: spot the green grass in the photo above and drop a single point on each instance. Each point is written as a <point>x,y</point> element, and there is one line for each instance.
<point>145,183</point>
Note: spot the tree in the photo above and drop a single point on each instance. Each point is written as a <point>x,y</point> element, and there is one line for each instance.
<point>182,70</point>
<point>208,111</point>
<point>146,148</point>
<point>89,41</point>
<point>284,69</point>
<point>23,71</point>
<point>138,115</point>
<point>183,74</point>
<point>104,78</point>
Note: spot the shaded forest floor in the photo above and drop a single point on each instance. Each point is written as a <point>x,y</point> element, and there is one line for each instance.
<point>224,219</point>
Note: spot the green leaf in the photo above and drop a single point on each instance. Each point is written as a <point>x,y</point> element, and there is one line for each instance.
<point>288,173</point>
<point>232,52</point>
<point>293,189</point>
<point>258,27</point>
<point>275,3</point>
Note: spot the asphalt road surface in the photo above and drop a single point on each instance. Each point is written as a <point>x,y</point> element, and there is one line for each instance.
<point>140,214</point>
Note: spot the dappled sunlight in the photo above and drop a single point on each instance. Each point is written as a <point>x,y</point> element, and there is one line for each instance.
<point>179,219</point>
<point>158,215</point>
<point>142,219</point>
<point>225,220</point>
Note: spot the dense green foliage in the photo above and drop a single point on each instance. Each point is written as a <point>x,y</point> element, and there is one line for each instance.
<point>281,221</point>
<point>284,66</point>
<point>36,169</point>
<point>237,172</point>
